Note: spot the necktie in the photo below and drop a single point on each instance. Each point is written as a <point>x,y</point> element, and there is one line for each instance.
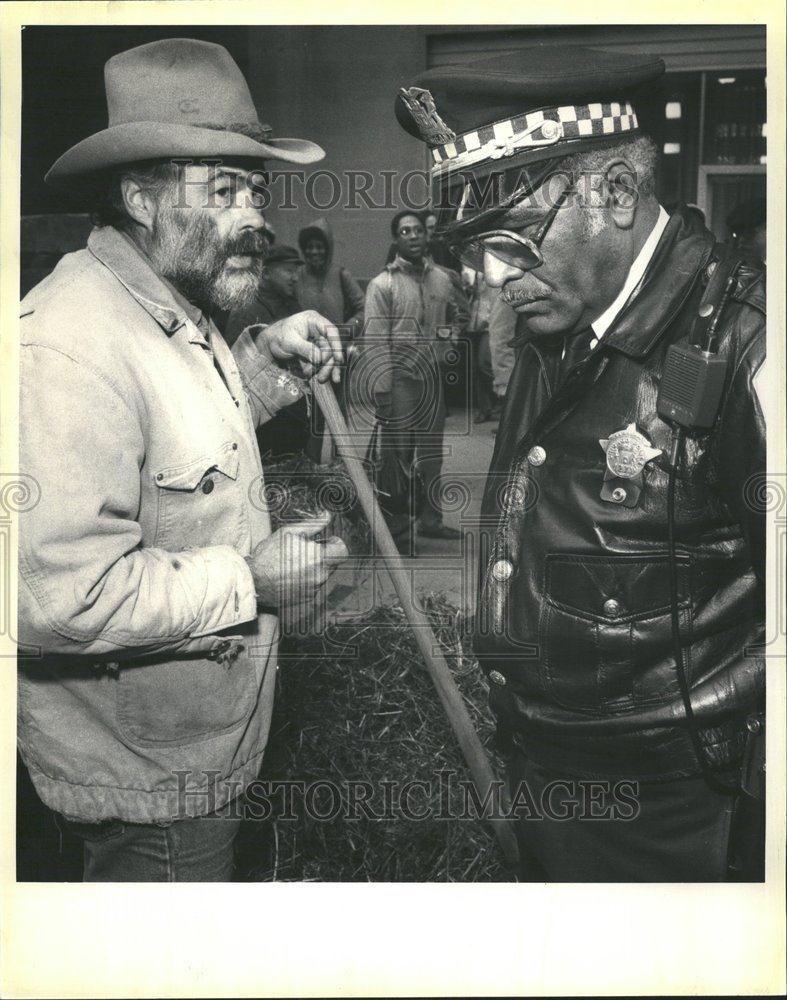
<point>577,348</point>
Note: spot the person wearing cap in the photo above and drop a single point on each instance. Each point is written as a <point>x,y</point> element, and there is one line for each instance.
<point>287,434</point>
<point>547,183</point>
<point>150,582</point>
<point>275,296</point>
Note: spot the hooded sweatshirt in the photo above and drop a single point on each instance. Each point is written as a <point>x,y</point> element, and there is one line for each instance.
<point>336,294</point>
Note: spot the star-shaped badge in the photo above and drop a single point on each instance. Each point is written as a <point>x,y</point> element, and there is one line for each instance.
<point>628,452</point>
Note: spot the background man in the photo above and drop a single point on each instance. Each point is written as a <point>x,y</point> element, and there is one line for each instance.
<point>149,577</point>
<point>411,315</point>
<point>275,297</point>
<point>576,613</point>
<point>288,432</point>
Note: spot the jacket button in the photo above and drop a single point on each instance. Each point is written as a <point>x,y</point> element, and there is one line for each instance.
<point>234,445</point>
<point>537,455</point>
<point>502,570</point>
<point>612,608</point>
<point>496,677</point>
<point>207,486</point>
<point>753,724</point>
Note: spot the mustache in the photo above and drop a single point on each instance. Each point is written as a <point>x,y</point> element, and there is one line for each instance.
<point>517,296</point>
<point>251,244</point>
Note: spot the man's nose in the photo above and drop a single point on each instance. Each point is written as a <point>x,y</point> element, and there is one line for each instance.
<point>497,272</point>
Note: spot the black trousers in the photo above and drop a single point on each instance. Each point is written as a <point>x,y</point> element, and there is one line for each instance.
<point>680,833</point>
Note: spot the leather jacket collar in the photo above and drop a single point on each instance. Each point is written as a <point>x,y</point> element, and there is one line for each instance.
<point>688,247</point>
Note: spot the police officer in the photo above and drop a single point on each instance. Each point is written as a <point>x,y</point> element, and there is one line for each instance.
<point>621,598</point>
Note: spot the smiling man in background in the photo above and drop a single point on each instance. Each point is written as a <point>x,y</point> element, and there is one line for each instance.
<point>150,580</point>
<point>554,184</point>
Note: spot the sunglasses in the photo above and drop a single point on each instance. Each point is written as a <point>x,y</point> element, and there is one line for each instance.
<point>521,252</point>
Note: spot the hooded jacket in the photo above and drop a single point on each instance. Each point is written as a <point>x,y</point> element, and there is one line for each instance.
<point>574,625</point>
<point>336,294</point>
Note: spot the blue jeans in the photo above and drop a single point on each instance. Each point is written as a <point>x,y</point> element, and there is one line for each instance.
<point>187,850</point>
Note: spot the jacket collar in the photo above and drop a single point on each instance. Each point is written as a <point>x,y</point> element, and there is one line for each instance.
<point>400,264</point>
<point>135,272</point>
<point>684,249</point>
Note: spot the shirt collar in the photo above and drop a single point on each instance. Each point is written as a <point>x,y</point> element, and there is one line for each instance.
<point>633,278</point>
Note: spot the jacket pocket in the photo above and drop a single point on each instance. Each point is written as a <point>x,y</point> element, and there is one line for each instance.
<point>177,702</point>
<point>199,502</point>
<point>605,630</point>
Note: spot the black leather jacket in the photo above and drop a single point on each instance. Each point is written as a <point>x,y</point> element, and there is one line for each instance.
<point>573,622</point>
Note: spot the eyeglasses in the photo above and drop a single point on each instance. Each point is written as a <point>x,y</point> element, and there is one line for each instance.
<point>411,231</point>
<point>521,252</point>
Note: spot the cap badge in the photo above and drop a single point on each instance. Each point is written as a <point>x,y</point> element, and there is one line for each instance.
<point>420,104</point>
<point>628,452</point>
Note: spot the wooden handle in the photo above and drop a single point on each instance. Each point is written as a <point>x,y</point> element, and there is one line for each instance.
<point>449,694</point>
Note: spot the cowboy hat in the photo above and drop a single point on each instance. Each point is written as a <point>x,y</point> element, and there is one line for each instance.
<point>178,97</point>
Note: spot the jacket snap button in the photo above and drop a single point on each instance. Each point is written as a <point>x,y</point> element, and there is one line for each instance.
<point>234,445</point>
<point>502,570</point>
<point>537,455</point>
<point>160,476</point>
<point>618,494</point>
<point>754,725</point>
<point>207,486</point>
<point>496,677</point>
<point>612,608</point>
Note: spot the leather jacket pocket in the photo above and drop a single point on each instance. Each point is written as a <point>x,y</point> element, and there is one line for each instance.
<point>605,630</point>
<point>199,502</point>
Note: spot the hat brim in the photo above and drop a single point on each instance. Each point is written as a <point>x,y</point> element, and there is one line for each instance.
<point>133,142</point>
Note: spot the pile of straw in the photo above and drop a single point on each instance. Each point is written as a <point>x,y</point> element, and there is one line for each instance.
<point>357,705</point>
<point>296,489</point>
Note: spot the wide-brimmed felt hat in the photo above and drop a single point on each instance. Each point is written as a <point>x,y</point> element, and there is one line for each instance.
<point>178,98</point>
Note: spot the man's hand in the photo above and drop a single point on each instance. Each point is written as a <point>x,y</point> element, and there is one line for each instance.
<point>310,337</point>
<point>288,567</point>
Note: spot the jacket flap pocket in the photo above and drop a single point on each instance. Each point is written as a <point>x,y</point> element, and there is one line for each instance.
<point>615,587</point>
<point>189,475</point>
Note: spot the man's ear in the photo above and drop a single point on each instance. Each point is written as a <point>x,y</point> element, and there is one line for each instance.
<point>138,202</point>
<point>622,192</point>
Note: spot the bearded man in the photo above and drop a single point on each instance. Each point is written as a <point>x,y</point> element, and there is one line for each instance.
<point>150,581</point>
<point>621,603</point>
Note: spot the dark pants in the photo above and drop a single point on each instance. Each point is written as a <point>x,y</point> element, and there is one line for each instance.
<point>681,833</point>
<point>414,432</point>
<point>188,850</point>
<point>485,398</point>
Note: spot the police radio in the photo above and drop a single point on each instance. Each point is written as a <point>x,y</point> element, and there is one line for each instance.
<point>689,396</point>
<point>693,376</point>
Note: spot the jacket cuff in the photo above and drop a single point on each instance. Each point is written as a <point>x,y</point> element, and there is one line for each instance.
<point>229,595</point>
<point>268,384</point>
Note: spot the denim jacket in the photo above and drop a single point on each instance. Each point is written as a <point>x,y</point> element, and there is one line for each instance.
<point>147,675</point>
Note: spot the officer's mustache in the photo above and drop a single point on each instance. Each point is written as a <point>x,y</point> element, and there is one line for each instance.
<point>515,293</point>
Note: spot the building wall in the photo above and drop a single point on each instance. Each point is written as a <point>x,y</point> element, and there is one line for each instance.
<point>336,86</point>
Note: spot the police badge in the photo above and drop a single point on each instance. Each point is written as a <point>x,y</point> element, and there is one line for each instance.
<point>424,121</point>
<point>628,452</point>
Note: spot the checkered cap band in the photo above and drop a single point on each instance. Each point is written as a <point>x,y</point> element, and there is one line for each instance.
<point>545,127</point>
